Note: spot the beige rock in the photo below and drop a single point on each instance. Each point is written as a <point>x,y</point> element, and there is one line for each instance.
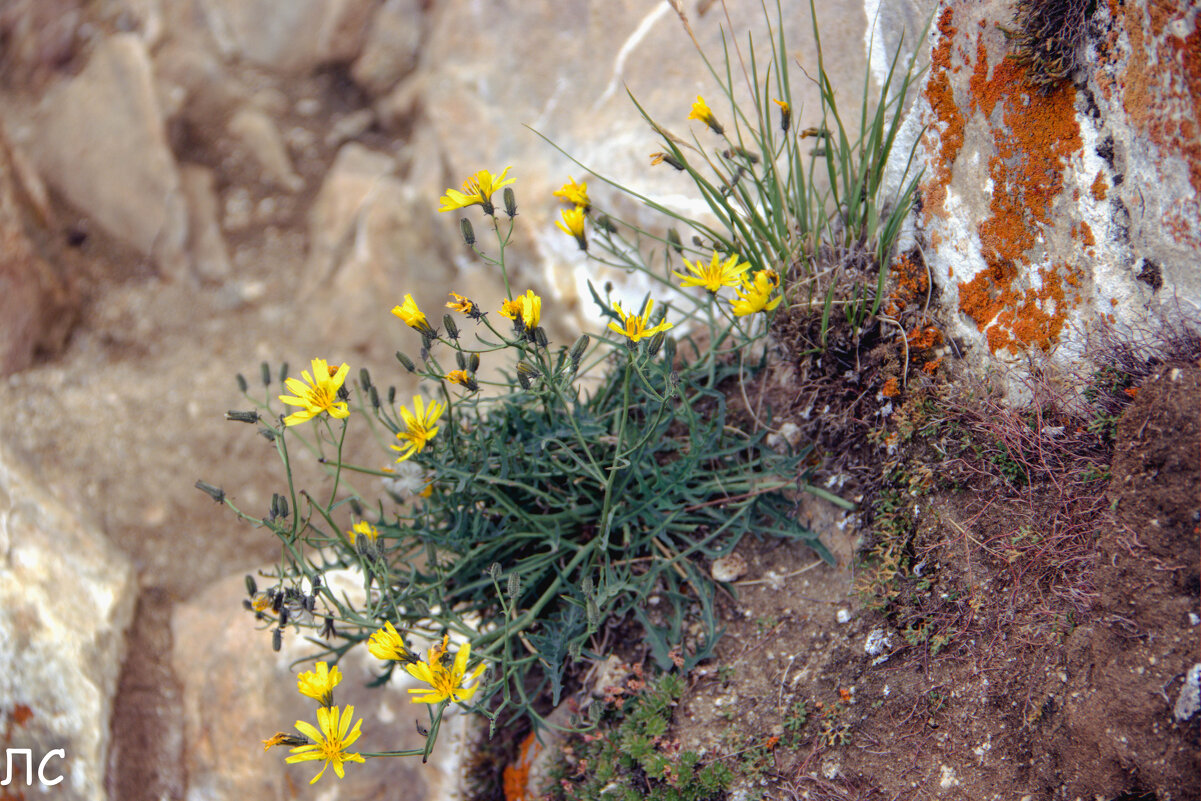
<point>392,47</point>
<point>256,132</point>
<point>98,138</point>
<point>206,244</point>
<point>67,597</point>
<point>288,36</point>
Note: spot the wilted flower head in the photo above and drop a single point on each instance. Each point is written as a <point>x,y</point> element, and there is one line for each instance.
<point>701,111</point>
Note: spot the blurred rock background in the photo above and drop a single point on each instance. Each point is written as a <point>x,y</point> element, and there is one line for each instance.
<point>191,187</point>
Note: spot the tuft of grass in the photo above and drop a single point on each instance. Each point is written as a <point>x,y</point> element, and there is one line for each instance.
<point>1049,38</point>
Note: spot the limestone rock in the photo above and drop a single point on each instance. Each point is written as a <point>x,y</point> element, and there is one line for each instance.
<point>237,693</point>
<point>288,36</point>
<point>392,46</point>
<point>366,243</point>
<point>67,597</point>
<point>206,244</point>
<point>256,132</point>
<point>1046,213</point>
<point>99,139</point>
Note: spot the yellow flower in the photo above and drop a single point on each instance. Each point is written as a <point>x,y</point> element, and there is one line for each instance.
<point>419,427</point>
<point>715,275</point>
<point>525,308</point>
<point>477,190</point>
<point>463,378</point>
<point>634,326</point>
<point>412,316</point>
<point>329,742</point>
<point>785,113</point>
<point>754,295</point>
<point>387,644</point>
<point>661,157</point>
<point>576,194</point>
<point>462,304</point>
<point>700,111</point>
<point>573,225</point>
<point>319,684</point>
<point>446,684</point>
<point>365,530</point>
<point>317,393</point>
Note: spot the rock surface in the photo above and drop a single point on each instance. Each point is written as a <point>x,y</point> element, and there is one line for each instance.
<point>67,597</point>
<point>99,139</point>
<point>1037,215</point>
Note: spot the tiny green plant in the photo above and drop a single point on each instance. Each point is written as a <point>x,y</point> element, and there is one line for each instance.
<point>630,756</point>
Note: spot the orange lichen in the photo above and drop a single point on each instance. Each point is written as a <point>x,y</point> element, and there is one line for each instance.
<point>949,120</point>
<point>1034,135</point>
<point>1161,90</point>
<point>931,367</point>
<point>924,338</point>
<point>1086,237</point>
<point>891,388</point>
<point>1131,391</point>
<point>516,775</point>
<point>1100,186</point>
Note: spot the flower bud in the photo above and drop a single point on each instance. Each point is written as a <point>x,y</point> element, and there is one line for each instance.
<point>586,585</point>
<point>514,587</point>
<point>460,360</point>
<point>656,342</point>
<point>391,395</point>
<point>577,350</point>
<point>265,374</point>
<point>252,586</point>
<point>510,202</point>
<point>673,239</point>
<point>283,372</point>
<point>473,362</point>
<point>494,570</point>
<point>277,639</point>
<point>216,493</point>
<point>452,330</point>
<point>603,222</point>
<point>373,394</point>
<point>242,385</point>
<point>669,351</point>
<point>242,417</point>
<point>540,337</point>
<point>467,231</point>
<point>356,507</point>
<point>268,434</point>
<point>364,378</point>
<point>527,369</point>
<point>406,362</point>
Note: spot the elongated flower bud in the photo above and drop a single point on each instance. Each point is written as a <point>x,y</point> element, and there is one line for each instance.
<point>452,330</point>
<point>216,493</point>
<point>577,350</point>
<point>514,587</point>
<point>364,378</point>
<point>242,385</point>
<point>406,362</point>
<point>242,417</point>
<point>265,374</point>
<point>467,231</point>
<point>473,362</point>
<point>510,202</point>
